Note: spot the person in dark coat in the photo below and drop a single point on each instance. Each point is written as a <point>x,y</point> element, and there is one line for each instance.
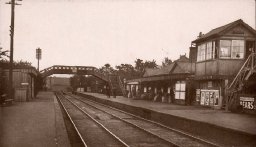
<point>114,92</point>
<point>108,91</point>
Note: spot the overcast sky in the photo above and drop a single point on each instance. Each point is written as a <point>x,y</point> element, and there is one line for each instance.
<point>95,32</point>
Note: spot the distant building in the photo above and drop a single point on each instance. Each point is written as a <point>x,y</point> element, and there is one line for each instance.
<point>57,83</point>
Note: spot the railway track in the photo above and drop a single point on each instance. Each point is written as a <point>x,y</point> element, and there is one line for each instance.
<point>125,129</point>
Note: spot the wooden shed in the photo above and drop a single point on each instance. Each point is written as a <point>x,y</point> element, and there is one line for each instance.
<point>23,83</point>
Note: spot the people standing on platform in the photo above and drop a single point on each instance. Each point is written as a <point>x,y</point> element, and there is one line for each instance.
<point>172,95</point>
<point>108,91</point>
<point>165,97</point>
<point>114,92</point>
<point>151,95</point>
<point>133,92</point>
<point>129,94</point>
<point>158,96</point>
<point>2,98</point>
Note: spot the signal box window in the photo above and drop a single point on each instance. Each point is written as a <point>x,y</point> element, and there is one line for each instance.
<point>206,51</point>
<point>232,49</point>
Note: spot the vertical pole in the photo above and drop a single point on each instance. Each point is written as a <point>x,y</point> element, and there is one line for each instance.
<point>38,64</point>
<point>38,56</point>
<point>11,51</point>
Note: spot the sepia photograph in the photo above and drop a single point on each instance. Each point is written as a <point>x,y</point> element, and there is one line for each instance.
<point>127,73</point>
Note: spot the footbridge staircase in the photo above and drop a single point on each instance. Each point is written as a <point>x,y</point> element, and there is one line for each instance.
<point>245,78</point>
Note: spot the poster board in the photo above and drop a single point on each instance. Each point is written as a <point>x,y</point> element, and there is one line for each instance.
<point>209,97</point>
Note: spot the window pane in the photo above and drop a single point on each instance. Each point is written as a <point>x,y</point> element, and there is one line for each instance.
<point>183,87</point>
<point>225,52</point>
<point>198,53</point>
<point>182,95</point>
<point>237,42</point>
<point>224,43</point>
<point>209,50</point>
<point>225,48</point>
<point>213,50</point>
<point>236,52</point>
<point>203,51</point>
<point>237,49</point>
<point>177,87</point>
<point>177,95</point>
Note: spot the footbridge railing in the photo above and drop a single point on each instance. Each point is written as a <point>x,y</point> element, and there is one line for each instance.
<point>83,70</point>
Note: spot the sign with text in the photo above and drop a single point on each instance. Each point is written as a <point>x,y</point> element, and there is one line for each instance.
<point>24,84</point>
<point>247,102</point>
<point>74,69</point>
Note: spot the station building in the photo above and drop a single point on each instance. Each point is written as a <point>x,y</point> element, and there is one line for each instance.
<point>220,55</point>
<point>215,58</point>
<point>172,81</point>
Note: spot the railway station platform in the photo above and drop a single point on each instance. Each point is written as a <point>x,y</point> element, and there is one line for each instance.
<point>202,121</point>
<point>35,123</point>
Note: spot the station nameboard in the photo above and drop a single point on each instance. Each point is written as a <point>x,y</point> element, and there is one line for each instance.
<point>74,69</point>
<point>247,102</point>
<point>24,84</point>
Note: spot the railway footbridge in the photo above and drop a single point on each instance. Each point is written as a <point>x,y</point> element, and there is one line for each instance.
<point>112,80</point>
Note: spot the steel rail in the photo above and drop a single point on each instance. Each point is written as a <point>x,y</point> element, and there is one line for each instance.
<point>156,123</point>
<point>149,132</point>
<point>116,137</point>
<point>77,131</point>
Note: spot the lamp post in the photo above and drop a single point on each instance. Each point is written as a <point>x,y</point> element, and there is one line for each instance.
<point>38,56</point>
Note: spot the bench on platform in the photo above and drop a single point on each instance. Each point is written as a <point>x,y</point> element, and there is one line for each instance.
<point>8,101</point>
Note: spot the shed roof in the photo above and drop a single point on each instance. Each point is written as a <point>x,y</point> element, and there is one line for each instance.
<point>174,68</point>
<point>161,71</point>
<point>182,67</point>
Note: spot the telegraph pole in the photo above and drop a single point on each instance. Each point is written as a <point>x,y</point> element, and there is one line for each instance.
<point>13,3</point>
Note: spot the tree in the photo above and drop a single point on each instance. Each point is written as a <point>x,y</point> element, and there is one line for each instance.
<point>166,61</point>
<point>140,66</point>
<point>22,64</point>
<point>107,69</point>
<point>150,64</point>
<point>126,71</point>
<point>3,53</point>
<point>77,81</point>
<point>16,64</point>
<point>3,82</point>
